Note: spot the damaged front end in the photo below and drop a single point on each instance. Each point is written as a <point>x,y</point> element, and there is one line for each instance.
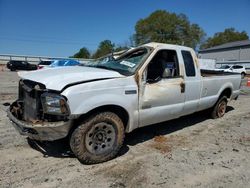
<point>39,113</point>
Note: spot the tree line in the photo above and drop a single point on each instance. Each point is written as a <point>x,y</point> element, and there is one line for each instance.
<point>165,27</point>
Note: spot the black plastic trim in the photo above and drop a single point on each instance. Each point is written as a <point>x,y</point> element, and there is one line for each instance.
<point>82,82</point>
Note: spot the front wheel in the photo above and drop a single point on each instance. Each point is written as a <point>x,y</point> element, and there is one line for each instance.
<point>98,139</point>
<point>219,108</point>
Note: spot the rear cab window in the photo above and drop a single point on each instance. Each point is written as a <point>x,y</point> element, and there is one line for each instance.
<point>188,63</point>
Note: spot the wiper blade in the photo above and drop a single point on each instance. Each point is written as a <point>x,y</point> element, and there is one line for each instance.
<point>101,66</point>
<point>120,71</point>
<point>107,68</point>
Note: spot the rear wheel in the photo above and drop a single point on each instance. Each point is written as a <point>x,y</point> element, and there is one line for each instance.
<point>98,139</point>
<point>220,107</point>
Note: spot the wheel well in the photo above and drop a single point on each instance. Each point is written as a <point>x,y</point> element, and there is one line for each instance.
<point>226,92</point>
<point>118,110</point>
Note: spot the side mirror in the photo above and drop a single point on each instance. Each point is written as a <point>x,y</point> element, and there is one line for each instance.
<point>167,73</point>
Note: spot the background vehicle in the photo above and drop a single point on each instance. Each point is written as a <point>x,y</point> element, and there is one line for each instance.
<point>20,65</point>
<point>63,63</point>
<point>96,105</point>
<point>44,63</point>
<point>234,68</point>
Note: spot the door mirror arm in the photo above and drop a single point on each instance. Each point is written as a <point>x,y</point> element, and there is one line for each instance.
<point>151,81</point>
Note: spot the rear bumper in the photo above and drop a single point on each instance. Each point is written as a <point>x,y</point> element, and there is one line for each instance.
<point>45,131</point>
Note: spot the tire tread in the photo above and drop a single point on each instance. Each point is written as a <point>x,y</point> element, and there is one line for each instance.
<point>76,139</point>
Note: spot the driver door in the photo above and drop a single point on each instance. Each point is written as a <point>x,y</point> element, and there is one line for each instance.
<point>163,98</point>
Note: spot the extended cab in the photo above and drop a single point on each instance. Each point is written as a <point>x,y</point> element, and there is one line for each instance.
<point>96,104</point>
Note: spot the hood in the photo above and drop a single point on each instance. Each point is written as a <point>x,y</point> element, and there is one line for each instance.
<point>58,78</point>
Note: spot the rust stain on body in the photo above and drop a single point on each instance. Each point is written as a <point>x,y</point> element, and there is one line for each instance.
<point>137,76</point>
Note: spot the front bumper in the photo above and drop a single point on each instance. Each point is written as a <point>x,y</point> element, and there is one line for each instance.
<point>45,131</point>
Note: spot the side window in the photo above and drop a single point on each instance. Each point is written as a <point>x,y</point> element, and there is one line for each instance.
<point>18,63</point>
<point>237,67</point>
<point>188,63</point>
<point>163,65</point>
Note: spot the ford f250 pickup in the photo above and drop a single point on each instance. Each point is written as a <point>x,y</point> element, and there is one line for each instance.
<point>96,105</point>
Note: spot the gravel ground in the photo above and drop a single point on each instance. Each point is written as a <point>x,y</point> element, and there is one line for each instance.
<point>192,151</point>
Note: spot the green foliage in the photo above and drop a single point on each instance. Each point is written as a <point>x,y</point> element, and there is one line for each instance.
<point>82,53</point>
<point>165,27</point>
<point>228,35</point>
<point>105,47</point>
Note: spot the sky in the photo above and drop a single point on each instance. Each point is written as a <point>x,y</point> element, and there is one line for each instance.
<point>59,28</point>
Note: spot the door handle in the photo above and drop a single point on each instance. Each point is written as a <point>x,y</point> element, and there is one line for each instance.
<point>182,85</point>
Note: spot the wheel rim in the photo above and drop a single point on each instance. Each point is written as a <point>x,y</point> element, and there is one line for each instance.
<point>100,138</point>
<point>222,108</point>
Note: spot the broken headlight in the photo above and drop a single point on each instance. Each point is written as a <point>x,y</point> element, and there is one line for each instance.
<point>54,104</point>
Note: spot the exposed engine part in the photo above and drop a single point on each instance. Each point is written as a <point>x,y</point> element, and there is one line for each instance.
<point>17,109</point>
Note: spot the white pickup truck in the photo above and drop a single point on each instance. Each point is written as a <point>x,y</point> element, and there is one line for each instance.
<point>96,105</point>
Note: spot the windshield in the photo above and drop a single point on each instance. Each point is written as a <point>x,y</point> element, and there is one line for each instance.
<point>57,63</point>
<point>126,64</point>
<point>71,63</point>
<point>224,67</point>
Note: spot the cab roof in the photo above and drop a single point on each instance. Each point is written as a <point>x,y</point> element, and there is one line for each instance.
<point>157,45</point>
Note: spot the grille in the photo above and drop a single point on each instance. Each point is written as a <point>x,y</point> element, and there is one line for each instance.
<point>30,107</point>
<point>31,100</point>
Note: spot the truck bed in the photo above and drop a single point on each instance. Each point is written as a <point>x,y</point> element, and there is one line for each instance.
<point>209,73</point>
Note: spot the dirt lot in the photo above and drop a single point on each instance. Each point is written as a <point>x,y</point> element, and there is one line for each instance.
<point>193,151</point>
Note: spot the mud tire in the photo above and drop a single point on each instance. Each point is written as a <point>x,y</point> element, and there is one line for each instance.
<point>219,108</point>
<point>78,138</point>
